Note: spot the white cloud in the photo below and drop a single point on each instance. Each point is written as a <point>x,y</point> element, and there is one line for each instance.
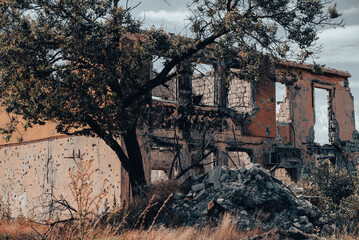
<point>163,16</point>
<point>352,10</point>
<point>340,45</point>
<point>321,116</point>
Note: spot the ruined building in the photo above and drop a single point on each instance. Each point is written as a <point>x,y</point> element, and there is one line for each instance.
<point>236,122</point>
<point>198,121</point>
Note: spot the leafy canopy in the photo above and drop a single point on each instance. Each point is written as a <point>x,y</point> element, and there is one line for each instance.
<point>85,64</point>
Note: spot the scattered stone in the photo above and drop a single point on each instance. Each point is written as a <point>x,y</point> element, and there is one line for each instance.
<point>224,177</point>
<point>201,195</point>
<point>255,198</point>
<point>295,189</point>
<point>297,225</point>
<point>300,211</point>
<point>308,227</point>
<point>242,170</point>
<point>303,219</point>
<point>217,185</point>
<point>214,175</point>
<point>213,208</point>
<point>243,212</point>
<point>269,185</point>
<point>253,171</point>
<point>225,168</point>
<point>198,187</point>
<point>178,195</point>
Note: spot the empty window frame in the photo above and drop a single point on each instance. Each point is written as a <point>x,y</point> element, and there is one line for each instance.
<point>321,112</point>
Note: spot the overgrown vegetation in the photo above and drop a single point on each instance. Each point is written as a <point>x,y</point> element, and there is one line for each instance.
<point>336,192</point>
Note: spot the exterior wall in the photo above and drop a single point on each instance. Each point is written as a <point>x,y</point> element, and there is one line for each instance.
<point>263,121</point>
<point>289,141</point>
<point>300,99</point>
<point>32,134</point>
<point>30,172</point>
<point>344,113</point>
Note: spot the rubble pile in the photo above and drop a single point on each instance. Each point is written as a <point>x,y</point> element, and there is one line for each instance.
<point>255,198</point>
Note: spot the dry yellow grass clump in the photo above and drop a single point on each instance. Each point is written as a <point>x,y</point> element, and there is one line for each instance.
<point>21,230</point>
<point>226,231</point>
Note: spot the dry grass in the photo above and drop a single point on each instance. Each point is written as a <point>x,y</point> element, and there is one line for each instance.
<point>19,229</point>
<point>225,231</point>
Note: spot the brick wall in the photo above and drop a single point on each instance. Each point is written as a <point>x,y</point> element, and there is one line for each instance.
<point>204,85</point>
<point>240,97</point>
<point>239,159</point>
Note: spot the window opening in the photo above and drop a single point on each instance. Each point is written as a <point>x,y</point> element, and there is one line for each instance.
<point>282,103</point>
<point>238,159</point>
<point>167,91</point>
<point>321,126</point>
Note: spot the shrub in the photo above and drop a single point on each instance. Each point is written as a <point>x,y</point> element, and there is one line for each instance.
<point>338,194</point>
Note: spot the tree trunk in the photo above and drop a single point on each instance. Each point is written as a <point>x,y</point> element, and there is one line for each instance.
<point>135,169</point>
<point>132,162</point>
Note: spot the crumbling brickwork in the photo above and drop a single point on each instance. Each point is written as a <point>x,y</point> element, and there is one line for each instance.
<point>258,128</point>
<point>197,122</point>
<point>283,115</point>
<point>204,87</point>
<point>240,96</point>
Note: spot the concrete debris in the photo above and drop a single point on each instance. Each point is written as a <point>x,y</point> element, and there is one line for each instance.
<point>256,200</point>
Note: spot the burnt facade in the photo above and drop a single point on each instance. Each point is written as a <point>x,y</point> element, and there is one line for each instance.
<point>204,116</point>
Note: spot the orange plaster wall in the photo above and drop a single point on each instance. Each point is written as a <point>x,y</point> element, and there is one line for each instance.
<point>285,133</point>
<point>303,109</point>
<point>31,134</point>
<point>265,118</point>
<point>343,107</point>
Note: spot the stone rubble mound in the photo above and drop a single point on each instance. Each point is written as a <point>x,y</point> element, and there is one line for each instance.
<point>256,199</point>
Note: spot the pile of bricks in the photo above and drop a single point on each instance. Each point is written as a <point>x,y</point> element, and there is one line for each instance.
<point>252,195</point>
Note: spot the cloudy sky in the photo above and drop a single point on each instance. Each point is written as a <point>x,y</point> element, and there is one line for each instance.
<point>340,45</point>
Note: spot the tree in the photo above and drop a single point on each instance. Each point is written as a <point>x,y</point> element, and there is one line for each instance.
<point>85,64</point>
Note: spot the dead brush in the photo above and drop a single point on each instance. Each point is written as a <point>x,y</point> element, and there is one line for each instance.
<point>81,187</point>
<point>143,210</point>
<point>226,230</point>
<point>84,214</point>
